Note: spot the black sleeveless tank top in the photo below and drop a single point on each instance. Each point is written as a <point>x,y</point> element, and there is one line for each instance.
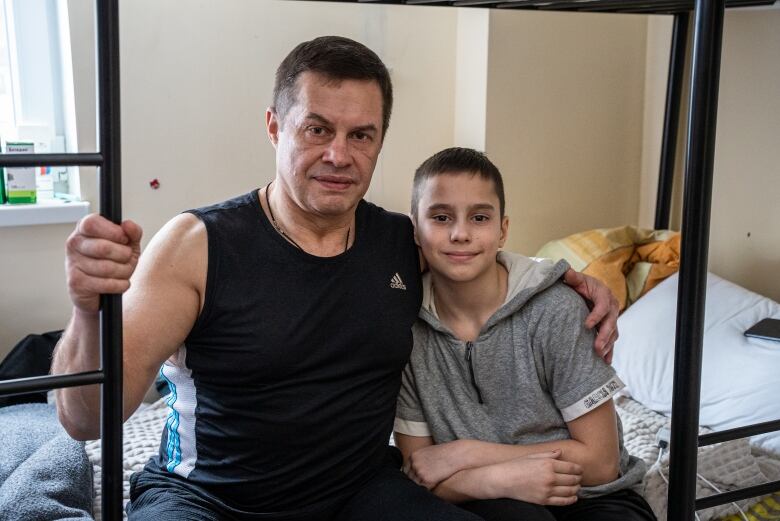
<point>283,395</point>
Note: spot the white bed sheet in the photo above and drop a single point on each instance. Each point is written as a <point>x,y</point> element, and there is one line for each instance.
<point>740,375</point>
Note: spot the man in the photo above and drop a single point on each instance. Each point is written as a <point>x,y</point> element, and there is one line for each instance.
<point>281,319</point>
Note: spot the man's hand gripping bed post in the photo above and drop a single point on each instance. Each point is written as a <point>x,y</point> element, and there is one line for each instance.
<point>604,310</point>
<point>100,258</point>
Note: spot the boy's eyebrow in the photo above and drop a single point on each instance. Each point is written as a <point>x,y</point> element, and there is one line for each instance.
<point>370,127</point>
<point>444,206</point>
<point>439,206</point>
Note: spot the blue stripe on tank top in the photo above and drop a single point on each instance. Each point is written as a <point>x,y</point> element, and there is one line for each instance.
<point>173,446</point>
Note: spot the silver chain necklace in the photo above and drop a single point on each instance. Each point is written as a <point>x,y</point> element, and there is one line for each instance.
<point>281,232</point>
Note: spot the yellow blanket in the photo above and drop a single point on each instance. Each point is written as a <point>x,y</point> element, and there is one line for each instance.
<point>768,509</point>
<point>630,261</point>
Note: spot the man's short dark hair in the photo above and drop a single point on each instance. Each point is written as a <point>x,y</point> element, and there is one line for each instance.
<point>457,160</point>
<point>336,58</point>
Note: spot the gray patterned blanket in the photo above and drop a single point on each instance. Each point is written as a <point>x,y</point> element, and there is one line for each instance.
<point>44,474</point>
<point>721,467</point>
<point>725,465</point>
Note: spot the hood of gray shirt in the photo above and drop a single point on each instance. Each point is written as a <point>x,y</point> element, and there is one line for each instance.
<point>527,277</point>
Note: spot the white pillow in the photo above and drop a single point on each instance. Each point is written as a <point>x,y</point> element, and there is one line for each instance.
<point>740,375</point>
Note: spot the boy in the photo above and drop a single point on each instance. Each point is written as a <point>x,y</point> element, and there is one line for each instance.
<point>505,408</point>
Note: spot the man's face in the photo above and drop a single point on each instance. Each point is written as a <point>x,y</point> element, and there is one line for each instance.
<point>458,226</point>
<point>328,143</point>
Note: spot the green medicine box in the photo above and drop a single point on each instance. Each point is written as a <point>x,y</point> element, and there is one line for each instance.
<point>20,182</point>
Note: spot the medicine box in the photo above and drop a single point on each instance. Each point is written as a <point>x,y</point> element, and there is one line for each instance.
<point>20,181</point>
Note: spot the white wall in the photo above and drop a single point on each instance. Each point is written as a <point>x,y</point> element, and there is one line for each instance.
<point>471,78</point>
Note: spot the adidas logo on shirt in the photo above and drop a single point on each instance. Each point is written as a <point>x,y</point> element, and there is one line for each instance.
<point>396,282</point>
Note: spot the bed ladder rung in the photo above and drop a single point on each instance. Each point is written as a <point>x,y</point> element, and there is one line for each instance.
<point>45,383</point>
<point>739,432</point>
<point>27,160</point>
<point>736,495</point>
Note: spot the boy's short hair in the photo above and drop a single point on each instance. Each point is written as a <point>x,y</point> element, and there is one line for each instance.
<point>336,58</point>
<point>453,161</point>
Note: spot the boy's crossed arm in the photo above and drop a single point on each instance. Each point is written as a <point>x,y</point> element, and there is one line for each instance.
<point>547,473</point>
<point>538,478</point>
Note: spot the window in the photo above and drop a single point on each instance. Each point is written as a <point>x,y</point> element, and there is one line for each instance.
<point>7,109</point>
<point>36,87</point>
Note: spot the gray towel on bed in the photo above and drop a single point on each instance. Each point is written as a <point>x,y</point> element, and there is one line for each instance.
<point>44,474</point>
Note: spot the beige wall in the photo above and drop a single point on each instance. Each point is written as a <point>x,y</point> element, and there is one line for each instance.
<point>195,85</point>
<point>564,120</point>
<point>745,231</point>
<point>194,104</point>
<point>745,237</point>
<point>570,112</point>
<point>33,295</point>
<point>659,34</point>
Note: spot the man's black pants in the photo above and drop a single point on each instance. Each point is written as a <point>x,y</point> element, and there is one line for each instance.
<point>624,505</point>
<point>388,496</point>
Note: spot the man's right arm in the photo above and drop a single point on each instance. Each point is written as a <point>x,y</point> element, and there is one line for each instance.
<point>163,294</point>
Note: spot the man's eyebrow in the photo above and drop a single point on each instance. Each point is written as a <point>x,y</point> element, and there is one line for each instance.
<point>319,118</point>
<point>483,206</point>
<point>365,128</point>
<point>369,127</point>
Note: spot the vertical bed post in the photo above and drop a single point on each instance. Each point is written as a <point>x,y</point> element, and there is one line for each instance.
<point>107,29</point>
<point>671,121</point>
<point>702,115</point>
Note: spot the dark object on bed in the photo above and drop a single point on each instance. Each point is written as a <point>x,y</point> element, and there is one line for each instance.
<point>767,329</point>
<point>30,357</point>
<point>44,474</point>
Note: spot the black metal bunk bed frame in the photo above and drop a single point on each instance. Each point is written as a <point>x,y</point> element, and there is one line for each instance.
<point>700,151</point>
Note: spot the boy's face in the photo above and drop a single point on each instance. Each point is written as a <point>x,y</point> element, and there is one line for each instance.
<point>459,227</point>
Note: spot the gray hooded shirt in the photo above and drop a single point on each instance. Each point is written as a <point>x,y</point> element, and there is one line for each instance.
<point>531,369</point>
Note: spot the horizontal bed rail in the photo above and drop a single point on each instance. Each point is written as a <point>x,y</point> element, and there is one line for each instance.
<point>736,495</point>
<point>22,160</point>
<point>745,492</point>
<point>46,383</point>
<point>739,432</point>
<point>617,6</point>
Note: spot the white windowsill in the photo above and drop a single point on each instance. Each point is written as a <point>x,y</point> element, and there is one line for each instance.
<point>45,212</point>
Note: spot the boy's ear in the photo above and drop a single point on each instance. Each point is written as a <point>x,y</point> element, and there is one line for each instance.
<point>414,223</point>
<point>504,231</point>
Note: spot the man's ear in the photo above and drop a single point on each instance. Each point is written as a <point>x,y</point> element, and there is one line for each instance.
<point>272,125</point>
<point>504,231</point>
